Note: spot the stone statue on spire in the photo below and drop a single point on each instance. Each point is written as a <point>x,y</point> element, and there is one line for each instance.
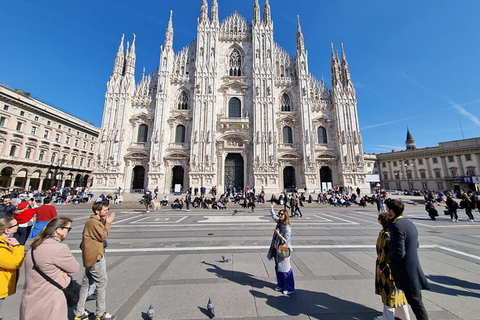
<point>214,12</point>
<point>204,11</point>
<point>256,13</point>
<point>267,15</point>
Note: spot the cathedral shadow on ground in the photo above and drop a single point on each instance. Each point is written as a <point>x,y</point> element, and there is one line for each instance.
<point>317,305</point>
<point>435,282</point>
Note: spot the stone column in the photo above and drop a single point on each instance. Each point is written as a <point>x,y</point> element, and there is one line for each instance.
<point>40,184</point>
<point>27,182</point>
<point>12,181</point>
<point>460,166</point>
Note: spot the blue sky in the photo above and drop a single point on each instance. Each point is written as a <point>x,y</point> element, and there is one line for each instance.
<point>413,63</point>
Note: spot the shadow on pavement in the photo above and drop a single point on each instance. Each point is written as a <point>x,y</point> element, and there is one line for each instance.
<point>317,305</point>
<point>436,287</point>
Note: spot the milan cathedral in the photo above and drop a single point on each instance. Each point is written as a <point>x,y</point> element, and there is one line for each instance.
<point>232,108</point>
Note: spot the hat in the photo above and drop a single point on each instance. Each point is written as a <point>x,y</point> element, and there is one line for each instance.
<point>22,205</point>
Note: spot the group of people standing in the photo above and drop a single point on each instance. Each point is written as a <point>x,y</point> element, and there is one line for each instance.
<point>49,264</point>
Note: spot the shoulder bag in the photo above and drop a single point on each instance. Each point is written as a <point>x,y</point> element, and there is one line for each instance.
<point>283,251</point>
<point>72,291</point>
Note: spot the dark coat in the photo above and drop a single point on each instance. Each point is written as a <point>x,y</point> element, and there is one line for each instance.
<point>403,256</point>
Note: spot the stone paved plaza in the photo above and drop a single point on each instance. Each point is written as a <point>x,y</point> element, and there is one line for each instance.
<point>173,260</point>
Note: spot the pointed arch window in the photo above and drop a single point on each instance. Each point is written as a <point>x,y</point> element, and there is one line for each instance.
<point>234,108</point>
<point>322,135</point>
<point>235,64</point>
<point>142,133</point>
<point>180,134</point>
<point>287,135</point>
<point>285,103</point>
<point>183,101</point>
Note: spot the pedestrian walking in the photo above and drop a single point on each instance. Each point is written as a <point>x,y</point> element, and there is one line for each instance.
<point>452,207</point>
<point>188,199</point>
<point>147,200</point>
<point>393,299</point>
<point>41,300</point>
<point>11,258</point>
<point>281,241</point>
<point>403,256</point>
<point>466,204</point>
<point>93,256</point>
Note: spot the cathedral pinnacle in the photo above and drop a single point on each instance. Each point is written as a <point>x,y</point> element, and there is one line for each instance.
<point>256,13</point>
<point>168,43</point>
<point>119,59</point>
<point>204,11</point>
<point>300,40</point>
<point>214,12</point>
<point>267,16</point>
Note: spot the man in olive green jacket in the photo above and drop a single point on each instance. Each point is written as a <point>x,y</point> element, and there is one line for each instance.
<point>96,231</point>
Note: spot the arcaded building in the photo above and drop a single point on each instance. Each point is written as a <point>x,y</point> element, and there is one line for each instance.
<point>42,146</point>
<point>232,108</point>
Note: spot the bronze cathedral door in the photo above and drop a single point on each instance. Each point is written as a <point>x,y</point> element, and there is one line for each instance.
<point>234,171</point>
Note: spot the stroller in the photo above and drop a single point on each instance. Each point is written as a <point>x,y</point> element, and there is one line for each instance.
<point>430,208</point>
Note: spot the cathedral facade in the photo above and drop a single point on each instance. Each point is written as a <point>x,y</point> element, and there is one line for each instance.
<point>230,109</point>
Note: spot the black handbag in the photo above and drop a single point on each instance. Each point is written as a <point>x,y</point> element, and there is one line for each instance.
<point>72,291</point>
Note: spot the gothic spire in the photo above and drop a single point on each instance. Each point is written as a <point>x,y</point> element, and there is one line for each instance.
<point>119,59</point>
<point>130,59</point>
<point>203,11</point>
<point>267,16</point>
<point>300,40</point>
<point>214,12</point>
<point>168,43</point>
<point>256,13</point>
<point>334,67</point>
<point>410,143</point>
<point>345,67</point>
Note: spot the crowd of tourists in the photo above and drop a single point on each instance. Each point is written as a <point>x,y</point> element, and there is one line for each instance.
<point>49,289</point>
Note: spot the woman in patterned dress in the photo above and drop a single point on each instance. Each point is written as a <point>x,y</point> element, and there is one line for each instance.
<point>394,301</point>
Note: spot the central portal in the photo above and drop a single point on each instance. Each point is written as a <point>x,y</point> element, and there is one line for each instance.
<point>234,171</point>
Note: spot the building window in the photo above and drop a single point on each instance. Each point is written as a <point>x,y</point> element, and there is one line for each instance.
<point>468,157</point>
<point>89,162</point>
<point>397,174</point>
<point>36,118</point>
<point>142,133</point>
<point>423,175</point>
<point>234,108</point>
<point>57,137</point>
<point>235,64</point>
<point>22,113</point>
<point>450,159</point>
<point>424,186</point>
<point>437,174</point>
<point>453,172</point>
<point>384,165</point>
<point>183,101</point>
<point>19,126</point>
<point>5,107</point>
<point>52,158</point>
<point>45,135</point>
<point>84,145</point>
<point>81,162</point>
<point>420,161</point>
<point>34,131</point>
<point>28,153</point>
<point>394,163</point>
<point>73,161</point>
<point>470,172</point>
<point>180,134</point>
<point>67,141</point>
<point>41,155</point>
<point>287,135</point>
<point>69,129</point>
<point>285,103</point>
<point>76,143</point>
<point>322,135</point>
<point>64,158</point>
<point>13,149</point>
<point>48,122</point>
<point>385,176</point>
<point>91,147</point>
<point>2,121</point>
<point>434,160</point>
<point>409,174</point>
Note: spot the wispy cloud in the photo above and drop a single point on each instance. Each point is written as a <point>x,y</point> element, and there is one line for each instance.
<point>461,110</point>
<point>384,148</point>
<point>414,81</point>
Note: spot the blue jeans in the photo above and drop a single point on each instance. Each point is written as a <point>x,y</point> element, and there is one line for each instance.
<point>96,274</point>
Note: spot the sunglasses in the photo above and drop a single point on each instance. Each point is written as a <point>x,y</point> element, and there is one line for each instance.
<point>13,226</point>
<point>68,228</point>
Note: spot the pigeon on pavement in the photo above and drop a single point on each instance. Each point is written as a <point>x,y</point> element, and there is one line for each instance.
<point>150,312</point>
<point>211,312</point>
<point>225,259</point>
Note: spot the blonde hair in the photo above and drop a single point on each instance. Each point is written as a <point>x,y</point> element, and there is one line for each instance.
<point>48,231</point>
<point>5,224</point>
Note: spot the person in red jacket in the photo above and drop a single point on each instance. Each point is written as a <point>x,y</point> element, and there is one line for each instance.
<point>24,216</point>
<point>45,213</point>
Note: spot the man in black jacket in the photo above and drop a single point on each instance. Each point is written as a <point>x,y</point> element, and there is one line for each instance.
<point>6,208</point>
<point>403,256</point>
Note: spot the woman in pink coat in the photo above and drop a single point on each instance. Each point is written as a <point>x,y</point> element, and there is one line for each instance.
<point>41,300</point>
